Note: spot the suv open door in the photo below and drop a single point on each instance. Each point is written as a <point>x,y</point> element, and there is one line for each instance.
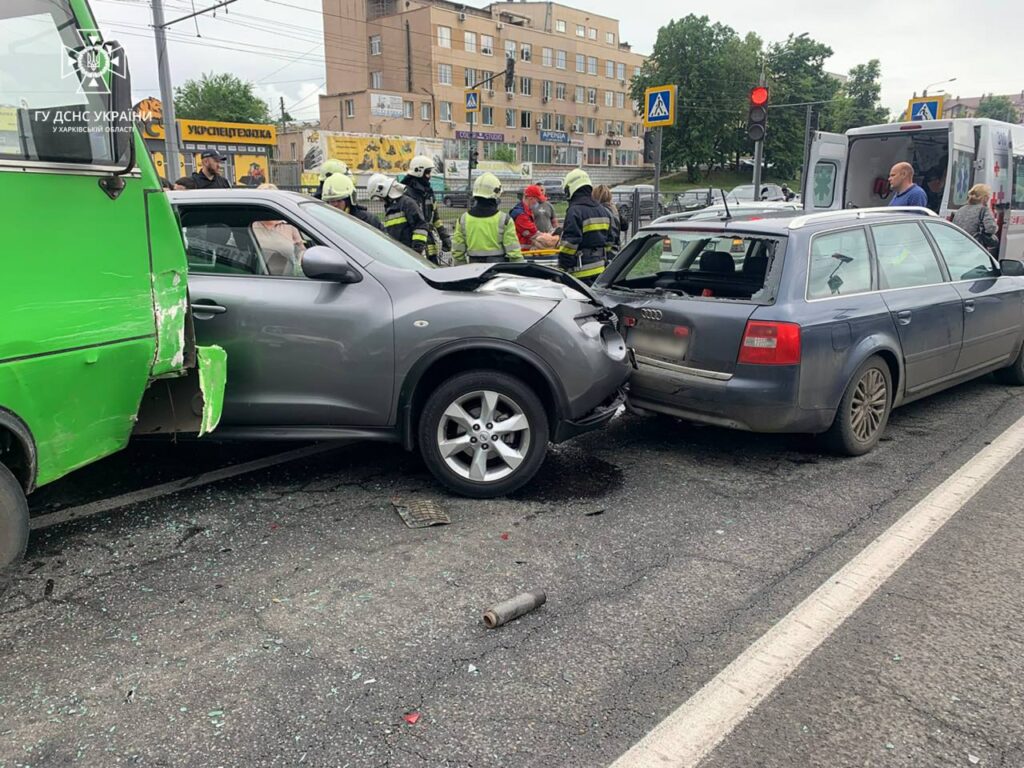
<point>824,187</point>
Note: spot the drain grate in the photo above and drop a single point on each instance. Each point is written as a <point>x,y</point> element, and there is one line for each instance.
<point>421,513</point>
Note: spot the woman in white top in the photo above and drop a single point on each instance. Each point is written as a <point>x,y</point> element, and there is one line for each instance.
<point>280,243</point>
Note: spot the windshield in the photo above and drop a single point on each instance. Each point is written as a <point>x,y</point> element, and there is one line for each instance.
<point>370,241</point>
<point>710,264</point>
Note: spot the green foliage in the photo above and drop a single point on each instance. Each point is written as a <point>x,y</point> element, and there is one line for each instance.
<point>504,154</point>
<point>714,69</point>
<point>997,108</point>
<point>222,97</point>
<point>795,74</point>
<point>858,100</point>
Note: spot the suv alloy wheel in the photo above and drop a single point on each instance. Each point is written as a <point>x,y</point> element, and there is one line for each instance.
<point>483,434</point>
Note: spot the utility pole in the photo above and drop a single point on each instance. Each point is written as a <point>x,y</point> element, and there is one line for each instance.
<point>657,170</point>
<point>469,161</point>
<point>805,187</point>
<point>171,139</point>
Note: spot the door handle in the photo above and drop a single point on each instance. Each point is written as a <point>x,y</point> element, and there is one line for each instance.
<point>204,307</point>
<point>968,305</point>
<point>903,317</point>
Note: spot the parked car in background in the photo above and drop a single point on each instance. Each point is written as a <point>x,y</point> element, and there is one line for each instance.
<point>553,189</point>
<point>817,323</point>
<point>622,196</point>
<point>771,192</point>
<point>455,198</point>
<point>732,210</point>
<point>695,199</point>
<point>348,334</point>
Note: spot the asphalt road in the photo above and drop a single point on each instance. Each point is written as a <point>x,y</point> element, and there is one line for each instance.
<point>289,617</point>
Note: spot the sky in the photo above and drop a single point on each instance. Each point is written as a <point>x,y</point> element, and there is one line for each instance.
<point>278,44</point>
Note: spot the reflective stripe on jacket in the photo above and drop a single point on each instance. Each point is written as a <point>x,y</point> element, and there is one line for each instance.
<point>404,221</point>
<point>485,236</point>
<point>586,233</point>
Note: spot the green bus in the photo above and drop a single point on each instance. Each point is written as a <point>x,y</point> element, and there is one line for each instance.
<point>96,339</point>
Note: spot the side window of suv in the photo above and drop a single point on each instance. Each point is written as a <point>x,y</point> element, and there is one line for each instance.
<point>965,258</point>
<point>242,241</point>
<point>840,264</point>
<point>905,257</point>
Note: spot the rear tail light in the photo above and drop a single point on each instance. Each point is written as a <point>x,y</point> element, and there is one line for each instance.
<point>770,344</point>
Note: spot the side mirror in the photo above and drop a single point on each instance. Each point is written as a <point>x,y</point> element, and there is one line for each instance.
<point>323,263</point>
<point>1011,268</point>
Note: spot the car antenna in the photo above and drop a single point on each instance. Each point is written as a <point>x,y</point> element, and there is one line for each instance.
<point>725,202</point>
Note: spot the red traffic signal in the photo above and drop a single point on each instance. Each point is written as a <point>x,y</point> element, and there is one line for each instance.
<point>759,96</point>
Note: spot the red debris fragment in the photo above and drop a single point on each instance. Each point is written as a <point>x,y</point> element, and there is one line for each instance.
<point>504,536</point>
<point>274,526</point>
<point>411,717</point>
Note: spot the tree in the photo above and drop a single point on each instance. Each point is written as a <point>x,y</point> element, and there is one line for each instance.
<point>503,154</point>
<point>222,97</point>
<point>997,108</point>
<point>796,74</point>
<point>858,100</point>
<point>713,70</point>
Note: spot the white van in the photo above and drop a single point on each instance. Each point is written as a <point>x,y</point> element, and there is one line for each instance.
<point>851,170</point>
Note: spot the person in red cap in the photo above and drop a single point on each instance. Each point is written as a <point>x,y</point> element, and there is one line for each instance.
<point>530,237</point>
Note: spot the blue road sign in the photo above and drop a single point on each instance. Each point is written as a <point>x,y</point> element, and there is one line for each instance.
<point>472,101</point>
<point>660,106</point>
<point>929,108</point>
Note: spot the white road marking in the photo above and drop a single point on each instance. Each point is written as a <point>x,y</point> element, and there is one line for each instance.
<point>688,735</point>
<point>115,502</point>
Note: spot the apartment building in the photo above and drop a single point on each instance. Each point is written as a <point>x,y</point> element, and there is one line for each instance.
<point>402,67</point>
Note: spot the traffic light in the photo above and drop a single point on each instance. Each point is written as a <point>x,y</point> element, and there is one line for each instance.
<point>650,147</point>
<point>757,117</point>
<point>510,73</point>
<point>474,158</point>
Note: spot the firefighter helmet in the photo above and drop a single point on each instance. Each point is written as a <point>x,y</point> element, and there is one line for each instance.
<point>381,186</point>
<point>487,186</point>
<point>574,180</point>
<point>339,187</point>
<point>332,167</point>
<point>420,165</point>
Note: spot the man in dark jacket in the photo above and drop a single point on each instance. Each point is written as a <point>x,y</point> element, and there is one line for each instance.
<point>585,230</point>
<point>403,219</point>
<point>418,189</point>
<point>209,175</point>
<point>339,192</point>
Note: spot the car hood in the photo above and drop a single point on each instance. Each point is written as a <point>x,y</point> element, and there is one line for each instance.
<point>468,277</point>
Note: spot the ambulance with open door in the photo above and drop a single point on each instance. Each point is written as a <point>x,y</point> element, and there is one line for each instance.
<point>851,170</point>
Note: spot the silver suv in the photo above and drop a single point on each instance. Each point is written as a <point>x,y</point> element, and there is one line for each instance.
<point>333,330</point>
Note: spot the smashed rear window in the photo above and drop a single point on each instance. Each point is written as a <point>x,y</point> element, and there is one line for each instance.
<point>722,265</point>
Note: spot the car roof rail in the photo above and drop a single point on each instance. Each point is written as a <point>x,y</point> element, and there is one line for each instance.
<point>858,213</point>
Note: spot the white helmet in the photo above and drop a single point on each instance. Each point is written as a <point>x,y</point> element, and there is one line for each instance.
<point>420,164</point>
<point>381,186</point>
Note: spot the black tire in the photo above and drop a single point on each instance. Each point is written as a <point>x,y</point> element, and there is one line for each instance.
<point>1013,374</point>
<point>13,525</point>
<point>863,412</point>
<point>515,398</point>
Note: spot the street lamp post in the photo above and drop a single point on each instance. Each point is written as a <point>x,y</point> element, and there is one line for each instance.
<point>940,82</point>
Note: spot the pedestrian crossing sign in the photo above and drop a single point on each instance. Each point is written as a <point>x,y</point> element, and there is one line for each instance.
<point>472,101</point>
<point>660,106</point>
<point>925,108</point>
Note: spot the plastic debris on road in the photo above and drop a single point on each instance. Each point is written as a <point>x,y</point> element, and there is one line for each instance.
<point>504,612</point>
<point>411,717</point>
<point>420,513</point>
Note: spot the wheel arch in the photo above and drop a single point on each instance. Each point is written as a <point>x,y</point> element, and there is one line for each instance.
<point>18,449</point>
<point>470,354</point>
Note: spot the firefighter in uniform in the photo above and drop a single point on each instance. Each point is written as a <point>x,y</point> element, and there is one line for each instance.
<point>585,244</point>
<point>485,234</point>
<point>328,169</point>
<point>403,220</point>
<point>340,192</point>
<point>418,189</point>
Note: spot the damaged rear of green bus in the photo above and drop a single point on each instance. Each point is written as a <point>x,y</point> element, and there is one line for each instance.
<point>96,338</point>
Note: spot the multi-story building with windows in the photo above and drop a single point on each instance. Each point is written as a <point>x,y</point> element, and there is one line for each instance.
<point>402,67</point>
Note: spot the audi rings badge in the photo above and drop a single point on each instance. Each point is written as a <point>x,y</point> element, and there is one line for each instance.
<point>651,314</point>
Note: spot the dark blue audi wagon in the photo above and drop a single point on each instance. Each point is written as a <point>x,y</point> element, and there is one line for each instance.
<point>819,323</point>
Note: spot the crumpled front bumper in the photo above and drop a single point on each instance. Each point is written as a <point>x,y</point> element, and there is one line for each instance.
<point>596,419</point>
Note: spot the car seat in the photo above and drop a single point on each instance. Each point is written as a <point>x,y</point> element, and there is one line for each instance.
<point>717,262</point>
